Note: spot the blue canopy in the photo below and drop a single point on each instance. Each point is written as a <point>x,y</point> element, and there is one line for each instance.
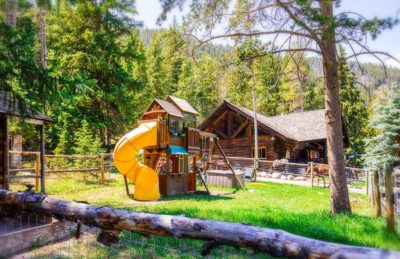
<point>177,150</point>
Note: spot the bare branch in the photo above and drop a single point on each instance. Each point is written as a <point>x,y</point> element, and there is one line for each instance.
<point>374,53</point>
<point>255,33</point>
<point>354,52</point>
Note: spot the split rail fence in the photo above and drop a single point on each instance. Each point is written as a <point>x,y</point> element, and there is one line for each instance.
<point>312,172</point>
<point>26,165</point>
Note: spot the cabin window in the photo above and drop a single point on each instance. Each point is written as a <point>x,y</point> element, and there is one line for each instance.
<point>262,152</point>
<point>176,127</point>
<point>186,164</point>
<point>180,126</point>
<point>287,153</point>
<point>314,154</point>
<point>172,126</point>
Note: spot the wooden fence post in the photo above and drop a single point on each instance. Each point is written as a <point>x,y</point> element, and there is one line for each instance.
<point>102,168</point>
<point>37,171</point>
<point>389,197</point>
<point>312,174</point>
<point>370,188</point>
<point>367,183</point>
<point>42,161</point>
<point>376,194</point>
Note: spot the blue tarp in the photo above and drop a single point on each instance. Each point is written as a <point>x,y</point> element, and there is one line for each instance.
<point>177,150</point>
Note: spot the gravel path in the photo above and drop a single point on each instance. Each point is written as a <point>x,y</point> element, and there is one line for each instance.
<point>305,183</point>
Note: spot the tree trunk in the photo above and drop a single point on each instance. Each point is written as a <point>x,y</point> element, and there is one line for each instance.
<point>11,11</point>
<point>376,194</point>
<point>339,196</point>
<point>42,36</point>
<point>275,242</point>
<point>43,48</point>
<point>389,198</point>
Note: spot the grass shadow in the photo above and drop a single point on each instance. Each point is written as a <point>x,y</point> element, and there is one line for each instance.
<point>197,196</point>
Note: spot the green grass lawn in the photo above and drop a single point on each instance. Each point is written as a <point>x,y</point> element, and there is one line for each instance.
<point>298,210</point>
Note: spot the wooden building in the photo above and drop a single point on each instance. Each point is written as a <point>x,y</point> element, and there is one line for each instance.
<point>12,107</point>
<point>298,137</point>
<point>178,145</point>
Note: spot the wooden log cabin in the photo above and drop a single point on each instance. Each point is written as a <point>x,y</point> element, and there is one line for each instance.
<point>12,107</point>
<point>174,157</point>
<point>299,136</point>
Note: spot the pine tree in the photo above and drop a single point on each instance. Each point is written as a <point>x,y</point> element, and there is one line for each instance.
<point>94,47</point>
<point>65,138</point>
<point>240,79</point>
<point>86,142</point>
<point>384,146</point>
<point>165,58</point>
<point>354,111</point>
<point>199,85</point>
<point>207,87</point>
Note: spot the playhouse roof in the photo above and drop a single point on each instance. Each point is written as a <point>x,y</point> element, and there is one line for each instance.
<point>169,108</point>
<point>13,106</point>
<point>297,126</point>
<point>183,105</point>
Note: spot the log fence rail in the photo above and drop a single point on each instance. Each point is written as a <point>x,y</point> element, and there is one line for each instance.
<point>30,167</point>
<point>111,221</point>
<point>100,163</point>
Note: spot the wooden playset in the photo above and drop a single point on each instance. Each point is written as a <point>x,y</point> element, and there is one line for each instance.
<point>173,150</point>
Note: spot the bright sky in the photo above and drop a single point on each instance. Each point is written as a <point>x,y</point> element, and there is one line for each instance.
<point>388,41</point>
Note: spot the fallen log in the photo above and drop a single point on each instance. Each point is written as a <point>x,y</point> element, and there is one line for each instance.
<point>274,242</point>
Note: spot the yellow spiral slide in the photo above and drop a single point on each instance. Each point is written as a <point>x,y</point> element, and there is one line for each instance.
<point>144,177</point>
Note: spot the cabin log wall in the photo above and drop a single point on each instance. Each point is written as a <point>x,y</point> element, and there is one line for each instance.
<point>276,149</point>
<point>243,147</point>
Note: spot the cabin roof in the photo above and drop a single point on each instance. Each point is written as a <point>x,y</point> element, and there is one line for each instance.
<point>297,126</point>
<point>169,108</point>
<point>183,105</point>
<point>13,106</point>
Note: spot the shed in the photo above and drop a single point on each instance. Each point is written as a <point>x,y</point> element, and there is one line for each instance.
<point>11,106</point>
